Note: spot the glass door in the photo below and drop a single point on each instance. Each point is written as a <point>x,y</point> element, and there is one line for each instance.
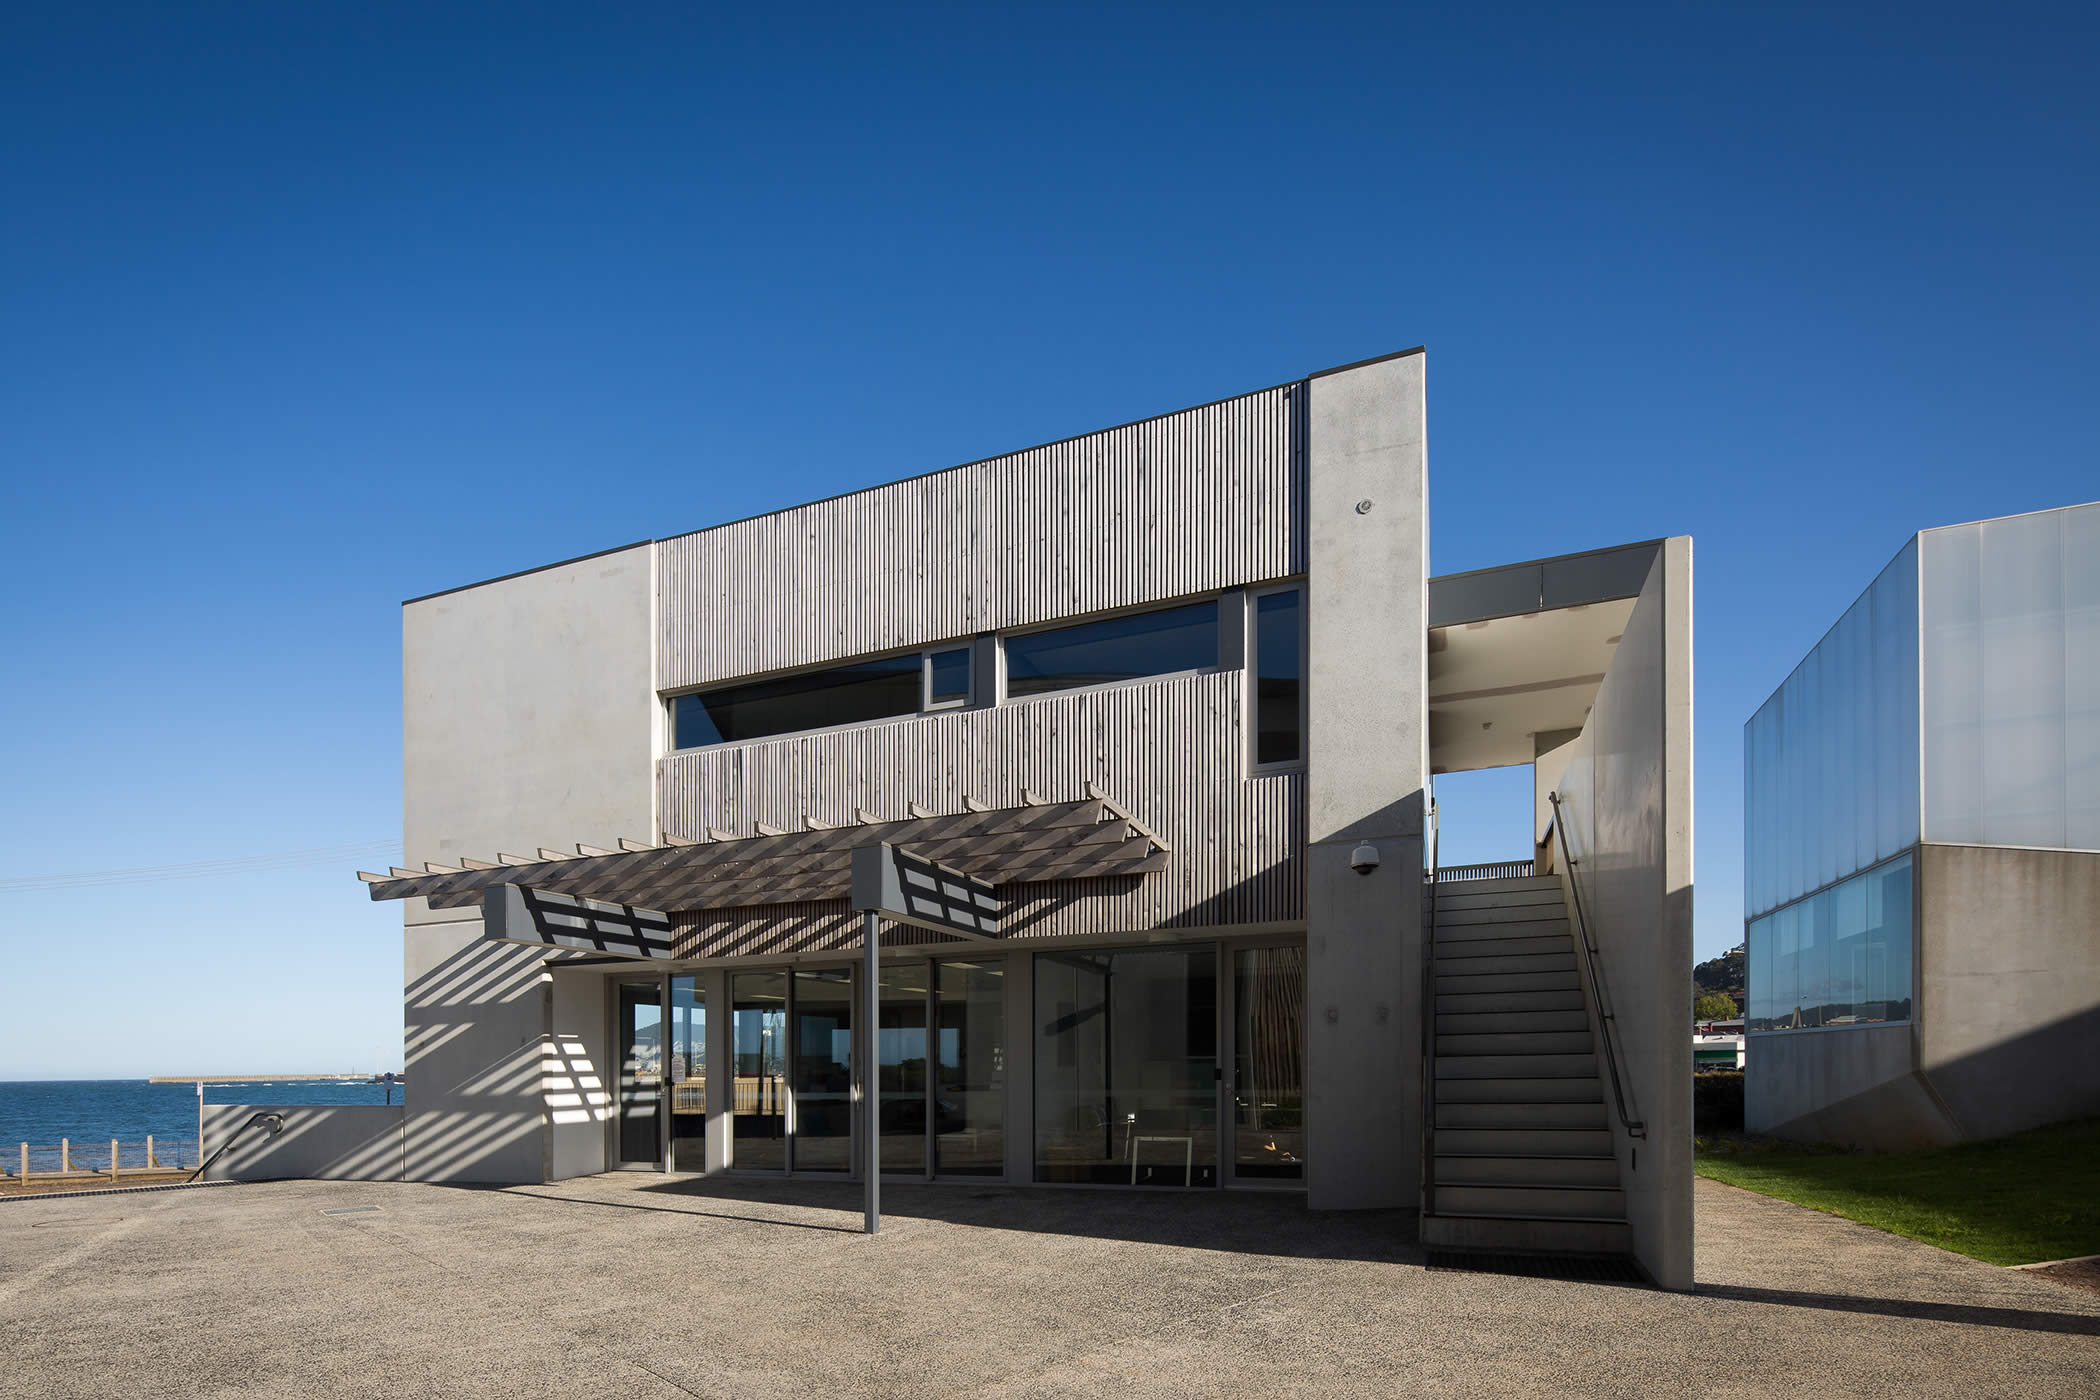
<point>688,1075</point>
<point>822,1069</point>
<point>1268,1064</point>
<point>641,1025</point>
<point>900,1067</point>
<point>758,1040</point>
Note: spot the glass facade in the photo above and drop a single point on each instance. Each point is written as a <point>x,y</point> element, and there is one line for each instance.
<point>1830,762</point>
<point>1268,1063</point>
<point>1114,649</point>
<point>758,1043</point>
<point>823,1070</point>
<point>1126,1067</point>
<point>2011,667</point>
<point>1841,957</point>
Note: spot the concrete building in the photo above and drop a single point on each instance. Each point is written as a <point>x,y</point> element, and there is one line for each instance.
<point>1922,849</point>
<point>1167,698</point>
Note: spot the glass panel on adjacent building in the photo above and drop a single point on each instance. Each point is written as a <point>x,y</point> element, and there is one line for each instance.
<point>2011,671</point>
<point>1268,1063</point>
<point>969,1097</point>
<point>948,677</point>
<point>1126,1067</point>
<point>1278,677</point>
<point>823,1070</point>
<point>1830,761</point>
<point>1114,649</point>
<point>901,1067</point>
<point>758,1040</point>
<point>688,1075</point>
<point>862,690</point>
<point>641,1025</point>
<point>1841,957</point>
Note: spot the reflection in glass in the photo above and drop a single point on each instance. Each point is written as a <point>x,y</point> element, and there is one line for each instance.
<point>641,1069</point>
<point>1841,957</point>
<point>948,676</point>
<point>1830,761</point>
<point>969,1105</point>
<point>823,1070</point>
<point>861,690</point>
<point>1278,627</point>
<point>758,1040</point>
<point>1114,649</point>
<point>688,1075</point>
<point>901,1067</point>
<point>1268,1063</point>
<point>1126,1067</point>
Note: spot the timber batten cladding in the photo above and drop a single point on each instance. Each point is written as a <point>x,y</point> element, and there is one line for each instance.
<point>1184,505</point>
<point>1172,507</point>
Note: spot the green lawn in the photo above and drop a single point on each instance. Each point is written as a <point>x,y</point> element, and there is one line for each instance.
<point>2015,1200</point>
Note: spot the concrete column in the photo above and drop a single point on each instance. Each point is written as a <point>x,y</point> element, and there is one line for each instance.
<point>1367,767</point>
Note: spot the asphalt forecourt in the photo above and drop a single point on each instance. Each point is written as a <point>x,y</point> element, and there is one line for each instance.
<point>642,1286</point>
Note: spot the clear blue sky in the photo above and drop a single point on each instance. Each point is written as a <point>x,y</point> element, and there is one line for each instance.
<point>308,309</point>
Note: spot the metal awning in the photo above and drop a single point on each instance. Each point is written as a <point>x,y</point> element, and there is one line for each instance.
<point>1038,841</point>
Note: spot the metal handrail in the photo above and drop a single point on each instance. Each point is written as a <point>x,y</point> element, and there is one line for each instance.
<point>1635,1127</point>
<point>1429,1024</point>
<point>273,1121</point>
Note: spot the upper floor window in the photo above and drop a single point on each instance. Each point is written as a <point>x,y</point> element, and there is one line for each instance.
<point>1279,676</point>
<point>947,678</point>
<point>849,694</point>
<point>1114,649</point>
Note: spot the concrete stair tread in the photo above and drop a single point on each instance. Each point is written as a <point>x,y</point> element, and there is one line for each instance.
<point>1555,1219</point>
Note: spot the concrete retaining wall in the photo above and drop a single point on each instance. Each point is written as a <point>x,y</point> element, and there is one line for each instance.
<point>347,1142</point>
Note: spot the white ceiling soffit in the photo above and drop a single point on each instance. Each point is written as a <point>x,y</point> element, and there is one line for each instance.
<point>1494,685</point>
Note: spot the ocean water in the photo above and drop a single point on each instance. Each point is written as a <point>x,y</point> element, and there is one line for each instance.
<point>89,1112</point>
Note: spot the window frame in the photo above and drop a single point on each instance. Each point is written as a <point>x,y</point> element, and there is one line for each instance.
<point>1252,691</point>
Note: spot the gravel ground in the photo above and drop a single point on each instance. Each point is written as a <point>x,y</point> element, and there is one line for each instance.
<point>640,1286</point>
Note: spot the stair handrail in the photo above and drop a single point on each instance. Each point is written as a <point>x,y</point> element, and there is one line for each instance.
<point>1607,1018</point>
<point>273,1121</point>
<point>1429,872</point>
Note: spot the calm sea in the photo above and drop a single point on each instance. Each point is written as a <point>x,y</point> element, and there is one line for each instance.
<point>89,1112</point>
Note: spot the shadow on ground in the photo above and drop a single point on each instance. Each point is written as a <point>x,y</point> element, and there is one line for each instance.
<point>1274,1224</point>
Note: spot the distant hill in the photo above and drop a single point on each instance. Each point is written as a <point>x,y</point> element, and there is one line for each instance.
<point>1722,974</point>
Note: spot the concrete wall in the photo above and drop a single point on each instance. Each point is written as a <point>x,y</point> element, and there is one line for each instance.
<point>350,1142</point>
<point>1627,801</point>
<point>2009,982</point>
<point>2008,1014</point>
<point>1854,1086</point>
<point>529,719</point>
<point>581,1073</point>
<point>1368,762</point>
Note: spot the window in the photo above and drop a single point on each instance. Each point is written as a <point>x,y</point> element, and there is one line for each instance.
<point>1841,957</point>
<point>1279,670</point>
<point>851,694</point>
<point>1114,649</point>
<point>947,678</point>
<point>1126,1067</point>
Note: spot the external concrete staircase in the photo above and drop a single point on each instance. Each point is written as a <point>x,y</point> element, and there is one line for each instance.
<point>1522,1152</point>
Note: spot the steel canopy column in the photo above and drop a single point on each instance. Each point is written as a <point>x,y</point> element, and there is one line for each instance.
<point>871,1072</point>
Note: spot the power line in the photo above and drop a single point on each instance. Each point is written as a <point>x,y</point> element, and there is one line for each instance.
<point>256,864</point>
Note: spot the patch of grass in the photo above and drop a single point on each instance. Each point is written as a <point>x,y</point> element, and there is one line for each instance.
<point>2013,1200</point>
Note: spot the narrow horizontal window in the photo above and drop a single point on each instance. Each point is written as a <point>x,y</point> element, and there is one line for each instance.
<point>1114,649</point>
<point>1278,677</point>
<point>948,677</point>
<point>848,694</point>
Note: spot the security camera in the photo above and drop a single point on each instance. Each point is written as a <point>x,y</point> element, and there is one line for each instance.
<point>1364,859</point>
